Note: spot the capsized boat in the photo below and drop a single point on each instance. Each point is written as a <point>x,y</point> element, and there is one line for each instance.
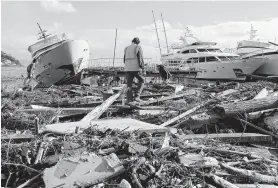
<point>257,49</point>
<point>57,59</point>
<point>204,60</point>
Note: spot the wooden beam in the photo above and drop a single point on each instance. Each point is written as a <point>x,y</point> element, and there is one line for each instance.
<point>230,137</point>
<point>241,107</point>
<point>190,92</point>
<point>258,128</point>
<point>125,124</point>
<point>99,110</point>
<point>173,120</point>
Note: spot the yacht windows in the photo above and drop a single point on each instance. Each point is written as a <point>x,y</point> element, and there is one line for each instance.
<point>185,52</point>
<point>232,57</point>
<point>192,60</point>
<point>223,58</point>
<point>202,50</point>
<point>202,59</point>
<point>192,51</point>
<point>211,50</point>
<point>211,58</point>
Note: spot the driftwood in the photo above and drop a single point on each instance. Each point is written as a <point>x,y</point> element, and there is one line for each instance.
<point>241,107</point>
<point>259,128</point>
<point>230,137</point>
<point>99,110</point>
<point>231,152</point>
<point>219,182</point>
<point>190,92</point>
<point>184,114</point>
<point>256,177</point>
<point>240,162</point>
<point>30,180</point>
<point>256,186</point>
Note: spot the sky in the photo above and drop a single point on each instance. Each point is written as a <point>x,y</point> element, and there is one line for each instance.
<point>223,22</point>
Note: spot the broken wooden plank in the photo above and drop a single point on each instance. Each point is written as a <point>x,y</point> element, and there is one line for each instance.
<point>218,181</point>
<point>230,137</point>
<point>82,171</point>
<point>17,137</point>
<point>183,114</point>
<point>250,174</point>
<point>99,110</point>
<point>154,112</point>
<point>190,92</point>
<point>196,121</point>
<point>247,106</point>
<point>63,111</point>
<point>256,186</point>
<point>258,128</point>
<point>125,124</point>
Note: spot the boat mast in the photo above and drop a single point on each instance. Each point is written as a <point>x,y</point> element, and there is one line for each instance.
<point>165,34</point>
<point>115,49</point>
<point>42,32</point>
<point>157,34</point>
<point>252,33</point>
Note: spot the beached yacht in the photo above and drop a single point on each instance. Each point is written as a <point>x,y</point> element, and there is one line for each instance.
<point>256,49</point>
<point>57,59</point>
<point>204,60</point>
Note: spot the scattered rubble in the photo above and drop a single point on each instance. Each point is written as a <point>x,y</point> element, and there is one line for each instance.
<point>182,135</point>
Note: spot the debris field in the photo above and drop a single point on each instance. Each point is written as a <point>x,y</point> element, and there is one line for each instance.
<point>192,135</point>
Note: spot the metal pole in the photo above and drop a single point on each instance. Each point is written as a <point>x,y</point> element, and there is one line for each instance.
<point>115,49</point>
<point>157,35</point>
<point>165,33</point>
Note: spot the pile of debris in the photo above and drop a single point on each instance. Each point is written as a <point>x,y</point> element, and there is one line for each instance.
<point>191,135</point>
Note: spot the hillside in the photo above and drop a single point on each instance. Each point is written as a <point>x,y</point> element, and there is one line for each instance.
<point>9,60</point>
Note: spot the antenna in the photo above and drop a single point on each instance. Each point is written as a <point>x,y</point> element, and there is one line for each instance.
<point>252,33</point>
<point>165,33</point>
<point>42,32</point>
<point>157,34</point>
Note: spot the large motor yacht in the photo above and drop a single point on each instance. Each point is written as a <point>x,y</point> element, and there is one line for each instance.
<point>204,60</point>
<point>253,48</point>
<point>57,59</point>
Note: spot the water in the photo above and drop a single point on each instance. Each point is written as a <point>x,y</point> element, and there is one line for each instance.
<point>13,72</point>
<point>12,77</point>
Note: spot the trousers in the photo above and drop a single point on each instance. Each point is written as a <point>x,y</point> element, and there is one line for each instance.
<point>129,78</point>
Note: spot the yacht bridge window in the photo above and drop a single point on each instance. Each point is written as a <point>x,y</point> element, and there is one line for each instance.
<point>202,50</point>
<point>223,58</point>
<point>211,58</point>
<point>192,60</point>
<point>202,59</point>
<point>214,50</point>
<point>189,51</point>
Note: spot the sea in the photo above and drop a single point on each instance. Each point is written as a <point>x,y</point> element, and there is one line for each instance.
<point>12,77</point>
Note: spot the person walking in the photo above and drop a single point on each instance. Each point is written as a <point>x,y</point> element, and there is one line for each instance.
<point>134,64</point>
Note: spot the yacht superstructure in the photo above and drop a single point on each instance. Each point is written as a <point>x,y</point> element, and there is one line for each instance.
<point>57,59</point>
<point>204,60</point>
<point>257,49</point>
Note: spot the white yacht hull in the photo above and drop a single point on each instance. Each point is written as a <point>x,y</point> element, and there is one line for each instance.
<point>270,68</point>
<point>61,63</point>
<point>224,70</point>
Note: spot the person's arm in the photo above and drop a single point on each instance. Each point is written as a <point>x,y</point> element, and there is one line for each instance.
<point>140,58</point>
